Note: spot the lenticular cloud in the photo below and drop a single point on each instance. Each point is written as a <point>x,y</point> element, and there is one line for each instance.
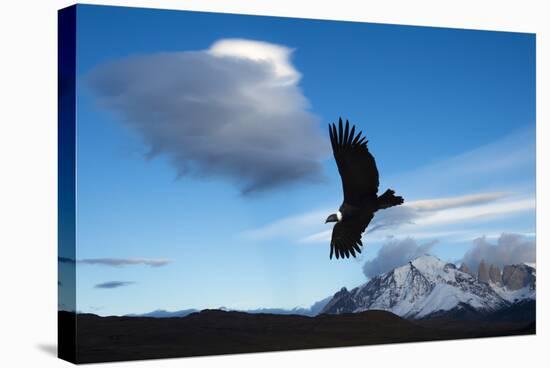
<point>233,111</point>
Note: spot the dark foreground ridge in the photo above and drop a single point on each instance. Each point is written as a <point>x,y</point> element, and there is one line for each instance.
<point>210,332</point>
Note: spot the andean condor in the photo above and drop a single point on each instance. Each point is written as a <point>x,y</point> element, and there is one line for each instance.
<point>359,175</point>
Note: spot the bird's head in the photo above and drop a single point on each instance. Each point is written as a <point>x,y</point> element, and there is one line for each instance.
<point>335,217</point>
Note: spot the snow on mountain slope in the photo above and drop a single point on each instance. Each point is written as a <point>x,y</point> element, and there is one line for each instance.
<point>513,296</point>
<point>422,287</point>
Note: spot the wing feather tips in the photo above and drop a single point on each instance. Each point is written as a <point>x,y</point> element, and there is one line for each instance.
<point>345,244</point>
<point>345,248</point>
<point>340,132</point>
<point>357,138</point>
<point>351,135</point>
<point>342,136</point>
<point>331,137</point>
<point>346,134</point>
<point>335,137</point>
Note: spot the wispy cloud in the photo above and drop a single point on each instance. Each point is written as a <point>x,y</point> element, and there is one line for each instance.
<point>459,201</point>
<point>453,210</point>
<point>416,211</point>
<point>482,212</point>
<point>113,284</point>
<point>118,262</point>
<point>420,219</point>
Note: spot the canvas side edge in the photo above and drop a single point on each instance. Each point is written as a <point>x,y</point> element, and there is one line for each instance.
<point>67,184</point>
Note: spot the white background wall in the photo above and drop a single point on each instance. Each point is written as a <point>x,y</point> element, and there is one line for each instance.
<point>28,197</point>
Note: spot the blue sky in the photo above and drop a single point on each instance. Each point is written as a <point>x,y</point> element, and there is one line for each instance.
<point>450,116</point>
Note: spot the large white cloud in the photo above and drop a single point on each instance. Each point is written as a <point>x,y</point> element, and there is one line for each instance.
<point>233,111</point>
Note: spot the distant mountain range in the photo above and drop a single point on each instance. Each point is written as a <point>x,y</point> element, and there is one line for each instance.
<point>427,287</point>
<point>314,310</point>
<point>161,313</point>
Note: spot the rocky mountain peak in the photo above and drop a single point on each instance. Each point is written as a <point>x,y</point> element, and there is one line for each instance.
<point>483,272</point>
<point>516,277</point>
<point>464,268</point>
<point>494,275</point>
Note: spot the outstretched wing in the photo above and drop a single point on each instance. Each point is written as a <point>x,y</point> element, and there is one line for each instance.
<point>346,236</point>
<point>356,165</point>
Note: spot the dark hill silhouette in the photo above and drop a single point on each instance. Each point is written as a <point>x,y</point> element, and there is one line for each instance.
<point>210,332</point>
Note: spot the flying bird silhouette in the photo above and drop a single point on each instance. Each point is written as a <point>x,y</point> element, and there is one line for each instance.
<point>359,175</point>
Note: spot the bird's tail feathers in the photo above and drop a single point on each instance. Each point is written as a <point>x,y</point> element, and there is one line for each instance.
<point>389,199</point>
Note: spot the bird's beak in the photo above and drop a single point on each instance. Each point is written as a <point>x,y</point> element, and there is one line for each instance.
<point>329,219</point>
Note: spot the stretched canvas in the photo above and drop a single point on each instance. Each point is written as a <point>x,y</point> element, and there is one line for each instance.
<point>235,183</point>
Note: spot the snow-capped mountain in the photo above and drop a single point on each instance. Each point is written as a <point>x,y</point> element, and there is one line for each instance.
<point>423,288</point>
<point>428,286</point>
